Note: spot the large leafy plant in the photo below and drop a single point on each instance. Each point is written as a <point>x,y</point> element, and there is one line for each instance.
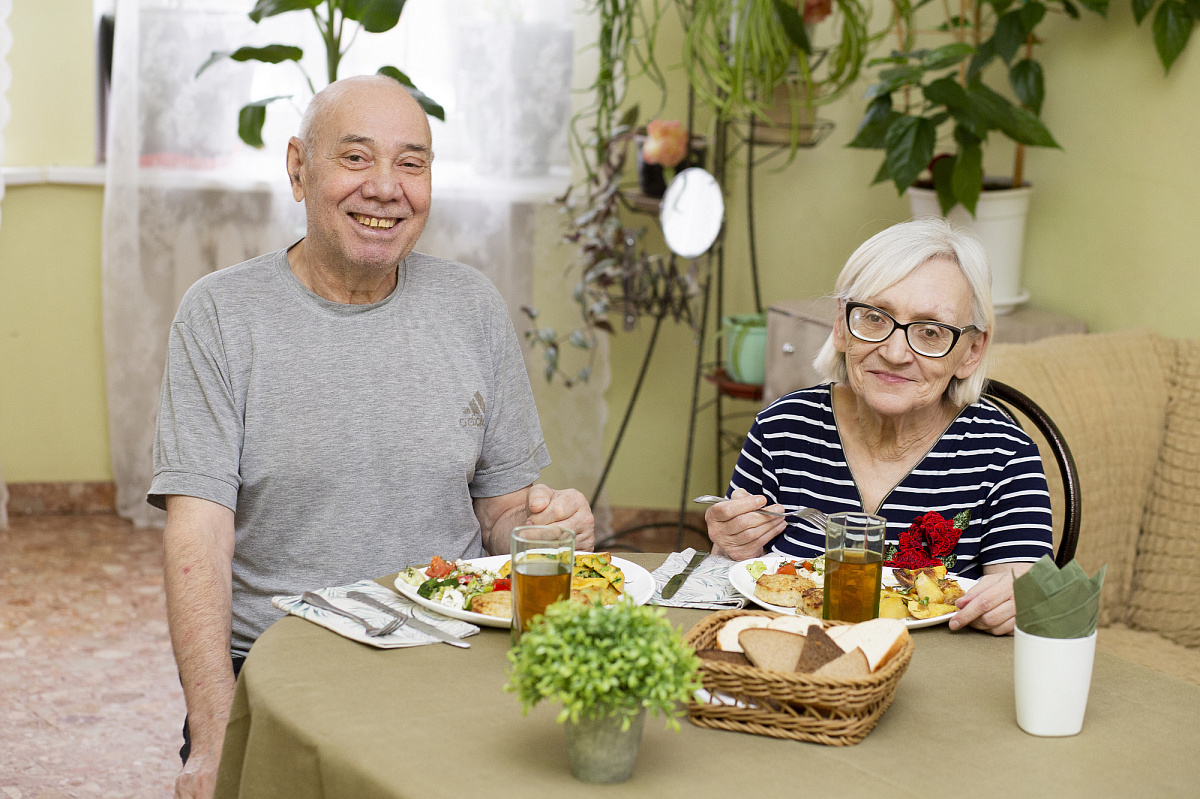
<point>331,18</point>
<point>1172,26</point>
<point>932,108</point>
<point>600,661</point>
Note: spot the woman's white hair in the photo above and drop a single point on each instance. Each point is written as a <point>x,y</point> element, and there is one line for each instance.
<point>887,258</point>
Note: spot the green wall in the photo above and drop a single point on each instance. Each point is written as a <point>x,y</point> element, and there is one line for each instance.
<point>1109,238</point>
<point>52,399</point>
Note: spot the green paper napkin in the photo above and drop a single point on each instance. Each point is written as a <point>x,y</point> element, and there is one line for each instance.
<point>1056,603</point>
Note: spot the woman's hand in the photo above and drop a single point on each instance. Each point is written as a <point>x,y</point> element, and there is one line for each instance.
<point>989,604</point>
<point>736,530</point>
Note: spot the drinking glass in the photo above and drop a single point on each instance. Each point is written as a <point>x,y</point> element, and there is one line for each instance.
<point>853,566</point>
<point>543,557</point>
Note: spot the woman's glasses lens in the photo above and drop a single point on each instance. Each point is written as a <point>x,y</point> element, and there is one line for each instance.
<point>871,324</point>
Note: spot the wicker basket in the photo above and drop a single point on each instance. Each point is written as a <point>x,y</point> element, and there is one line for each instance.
<point>836,712</point>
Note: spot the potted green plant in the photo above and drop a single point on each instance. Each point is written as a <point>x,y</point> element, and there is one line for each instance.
<point>372,16</point>
<point>607,666</point>
<point>931,111</point>
<point>769,62</point>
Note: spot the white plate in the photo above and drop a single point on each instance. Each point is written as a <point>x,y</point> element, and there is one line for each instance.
<point>639,586</point>
<point>744,583</point>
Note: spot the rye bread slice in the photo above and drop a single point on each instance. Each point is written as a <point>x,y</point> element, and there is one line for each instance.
<point>849,666</point>
<point>773,650</point>
<point>819,649</point>
<point>720,655</point>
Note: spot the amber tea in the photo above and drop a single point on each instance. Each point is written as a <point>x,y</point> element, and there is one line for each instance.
<point>852,581</point>
<point>537,584</point>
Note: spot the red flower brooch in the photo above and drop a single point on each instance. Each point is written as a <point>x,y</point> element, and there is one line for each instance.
<point>928,541</point>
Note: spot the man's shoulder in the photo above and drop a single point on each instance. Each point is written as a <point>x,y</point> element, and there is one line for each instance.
<point>237,285</point>
<point>432,270</point>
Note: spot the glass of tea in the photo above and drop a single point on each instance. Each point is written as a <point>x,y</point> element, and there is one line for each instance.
<point>853,566</point>
<point>542,559</point>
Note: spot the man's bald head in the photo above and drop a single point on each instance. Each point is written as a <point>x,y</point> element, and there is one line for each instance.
<point>326,101</point>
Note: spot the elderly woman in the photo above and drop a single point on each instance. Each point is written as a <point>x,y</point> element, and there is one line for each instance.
<point>900,429</point>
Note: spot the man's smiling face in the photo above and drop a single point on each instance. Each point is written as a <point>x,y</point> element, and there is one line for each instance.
<point>364,176</point>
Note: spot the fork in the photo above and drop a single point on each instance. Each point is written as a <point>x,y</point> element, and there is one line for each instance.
<point>808,514</point>
<point>316,600</point>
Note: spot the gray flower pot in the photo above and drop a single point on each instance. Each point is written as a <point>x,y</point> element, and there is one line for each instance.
<point>600,751</point>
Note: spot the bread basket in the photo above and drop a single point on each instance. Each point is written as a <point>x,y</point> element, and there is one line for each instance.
<point>835,712</point>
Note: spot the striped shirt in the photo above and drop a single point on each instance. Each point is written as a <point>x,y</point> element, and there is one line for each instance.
<point>983,463</point>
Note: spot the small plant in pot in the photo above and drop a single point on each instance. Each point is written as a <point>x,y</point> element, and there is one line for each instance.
<point>607,666</point>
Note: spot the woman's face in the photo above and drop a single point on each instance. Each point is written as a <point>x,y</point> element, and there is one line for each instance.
<point>893,380</point>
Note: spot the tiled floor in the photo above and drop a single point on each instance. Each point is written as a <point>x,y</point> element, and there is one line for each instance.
<point>90,704</point>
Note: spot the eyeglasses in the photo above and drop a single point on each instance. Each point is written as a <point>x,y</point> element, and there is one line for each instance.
<point>931,339</point>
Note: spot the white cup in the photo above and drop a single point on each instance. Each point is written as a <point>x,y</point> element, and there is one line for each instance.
<point>1052,677</point>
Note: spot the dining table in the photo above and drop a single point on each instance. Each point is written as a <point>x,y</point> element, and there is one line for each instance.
<point>317,715</point>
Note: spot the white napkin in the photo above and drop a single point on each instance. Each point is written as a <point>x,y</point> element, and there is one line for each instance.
<point>405,636</point>
<point>707,587</point>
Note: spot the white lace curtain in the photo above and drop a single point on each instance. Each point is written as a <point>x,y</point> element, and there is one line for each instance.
<point>184,197</point>
<point>5,111</point>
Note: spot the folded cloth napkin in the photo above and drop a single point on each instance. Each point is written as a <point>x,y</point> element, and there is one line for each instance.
<point>1056,603</point>
<point>405,636</point>
<point>707,587</point>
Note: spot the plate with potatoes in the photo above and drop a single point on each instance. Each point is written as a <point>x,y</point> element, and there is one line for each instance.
<point>918,597</point>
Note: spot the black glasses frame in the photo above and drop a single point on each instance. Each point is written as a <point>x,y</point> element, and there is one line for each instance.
<point>957,331</point>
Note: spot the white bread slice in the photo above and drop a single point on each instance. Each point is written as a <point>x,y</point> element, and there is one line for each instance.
<point>879,639</point>
<point>774,650</point>
<point>837,631</point>
<point>793,624</point>
<point>727,636</point>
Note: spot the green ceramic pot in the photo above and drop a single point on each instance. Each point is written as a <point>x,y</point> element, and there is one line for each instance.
<point>746,347</point>
<point>600,751</point>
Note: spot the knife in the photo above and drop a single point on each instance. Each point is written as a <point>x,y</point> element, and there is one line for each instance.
<point>413,622</point>
<point>675,582</point>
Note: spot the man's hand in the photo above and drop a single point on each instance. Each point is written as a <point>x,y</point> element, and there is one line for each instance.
<point>198,779</point>
<point>566,508</point>
<point>737,530</point>
<point>989,604</point>
<point>535,504</point>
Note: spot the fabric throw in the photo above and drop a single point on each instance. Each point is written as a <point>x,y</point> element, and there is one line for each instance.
<point>708,587</point>
<point>405,636</point>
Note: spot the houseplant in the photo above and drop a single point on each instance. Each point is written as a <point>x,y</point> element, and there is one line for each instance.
<point>606,666</point>
<point>932,109</point>
<point>372,16</point>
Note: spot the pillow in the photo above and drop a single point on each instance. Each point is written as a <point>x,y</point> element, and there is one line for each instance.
<point>1166,577</point>
<point>1107,392</point>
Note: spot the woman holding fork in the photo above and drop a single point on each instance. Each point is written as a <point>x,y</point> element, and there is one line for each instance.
<point>900,430</point>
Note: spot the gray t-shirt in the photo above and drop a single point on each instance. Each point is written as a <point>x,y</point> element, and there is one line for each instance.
<point>349,440</point>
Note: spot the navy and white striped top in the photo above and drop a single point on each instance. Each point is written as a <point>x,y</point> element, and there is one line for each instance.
<point>983,463</point>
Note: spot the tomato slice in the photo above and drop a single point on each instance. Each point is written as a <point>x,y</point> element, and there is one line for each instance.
<point>808,566</point>
<point>438,568</point>
<point>787,568</point>
<point>502,584</point>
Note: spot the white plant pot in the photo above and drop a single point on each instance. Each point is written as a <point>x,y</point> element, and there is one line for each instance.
<point>999,222</point>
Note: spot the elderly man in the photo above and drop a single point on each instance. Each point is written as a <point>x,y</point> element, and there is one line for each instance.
<point>338,409</point>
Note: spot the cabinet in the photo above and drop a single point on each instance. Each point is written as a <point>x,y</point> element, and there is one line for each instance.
<point>797,329</point>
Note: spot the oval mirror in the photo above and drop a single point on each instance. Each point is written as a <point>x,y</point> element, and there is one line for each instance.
<point>692,212</point>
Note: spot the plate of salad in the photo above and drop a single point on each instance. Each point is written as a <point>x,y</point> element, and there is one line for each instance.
<point>448,587</point>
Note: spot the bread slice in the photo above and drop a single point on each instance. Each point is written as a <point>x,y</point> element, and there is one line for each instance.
<point>879,639</point>
<point>849,666</point>
<point>838,630</point>
<point>793,624</point>
<point>819,649</point>
<point>774,650</point>
<point>727,636</point>
<point>811,602</point>
<point>721,656</point>
<point>781,589</point>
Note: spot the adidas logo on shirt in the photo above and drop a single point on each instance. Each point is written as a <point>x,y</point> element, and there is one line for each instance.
<point>472,415</point>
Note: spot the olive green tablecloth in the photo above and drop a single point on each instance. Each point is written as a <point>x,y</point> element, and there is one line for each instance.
<point>316,715</point>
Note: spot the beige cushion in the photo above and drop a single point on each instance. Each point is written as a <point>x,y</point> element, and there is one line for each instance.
<point>1107,392</point>
<point>1152,651</point>
<point>1166,584</point>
